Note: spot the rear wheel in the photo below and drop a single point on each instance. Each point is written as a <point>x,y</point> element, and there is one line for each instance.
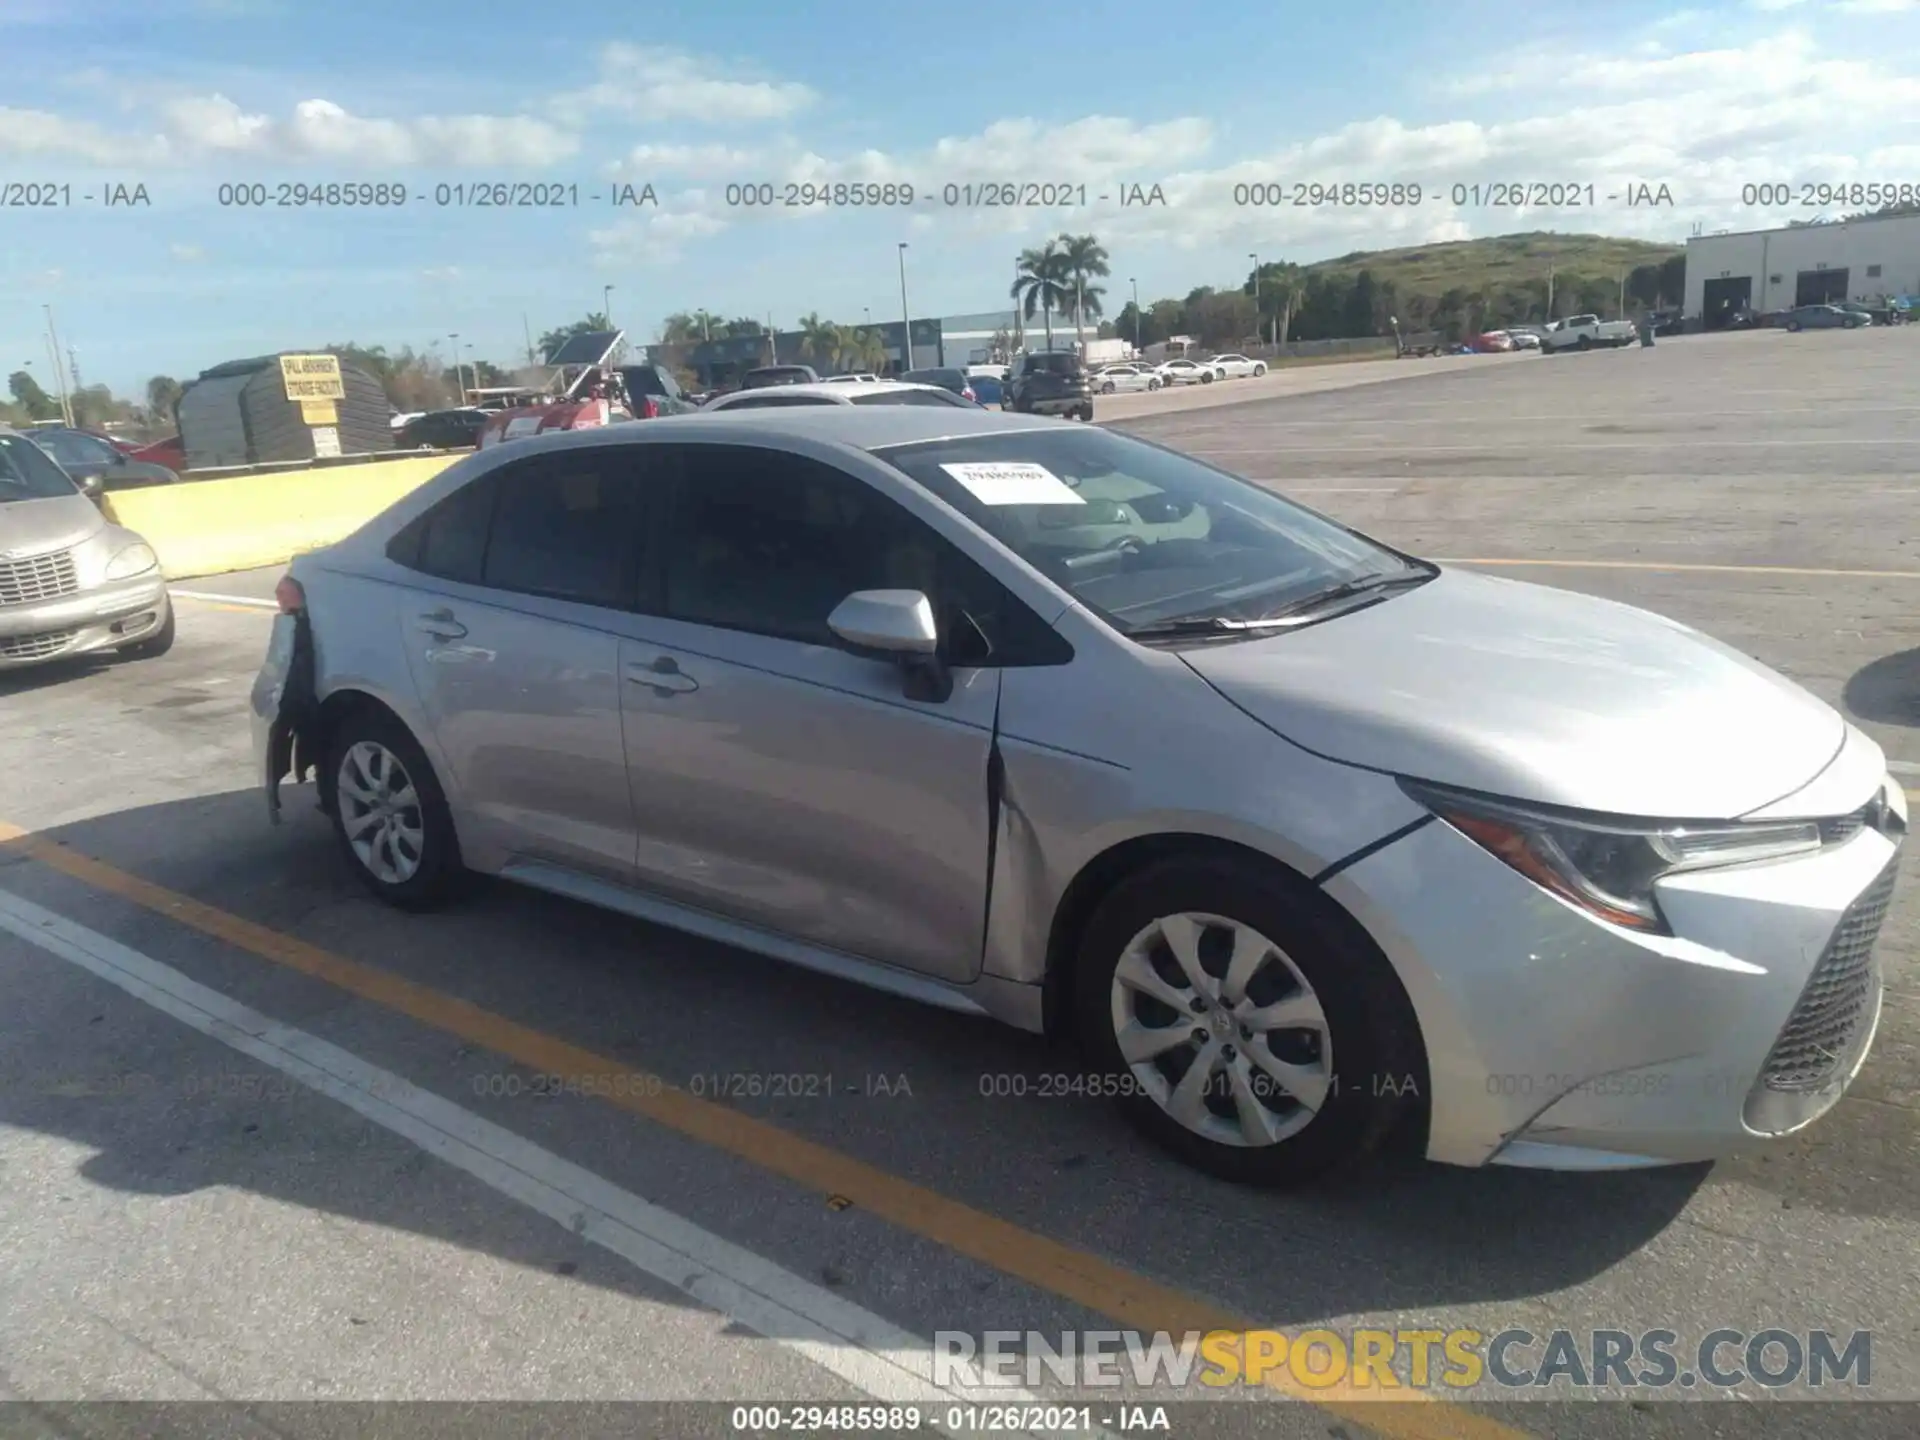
<point>1241,1023</point>
<point>1106,387</point>
<point>1793,325</point>
<point>1585,342</point>
<point>389,812</point>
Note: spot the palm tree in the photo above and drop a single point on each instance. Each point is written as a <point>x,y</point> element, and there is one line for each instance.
<point>868,352</point>
<point>1044,284</point>
<point>819,339</point>
<point>1086,261</point>
<point>1281,279</point>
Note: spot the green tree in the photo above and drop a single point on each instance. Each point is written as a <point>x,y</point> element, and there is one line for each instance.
<point>1280,285</point>
<point>1085,261</point>
<point>1643,285</point>
<point>30,397</point>
<point>163,393</point>
<point>1357,312</point>
<point>819,339</point>
<point>745,325</point>
<point>1673,279</point>
<point>1043,284</point>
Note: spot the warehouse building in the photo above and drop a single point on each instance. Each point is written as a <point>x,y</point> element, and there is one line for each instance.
<point>1868,261</point>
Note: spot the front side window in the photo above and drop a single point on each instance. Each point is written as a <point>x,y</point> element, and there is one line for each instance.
<point>71,449</point>
<point>1142,535</point>
<point>27,474</point>
<point>770,543</point>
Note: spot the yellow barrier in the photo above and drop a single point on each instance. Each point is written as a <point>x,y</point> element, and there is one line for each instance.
<point>208,527</point>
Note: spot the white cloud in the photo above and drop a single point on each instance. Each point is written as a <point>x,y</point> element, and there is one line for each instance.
<point>1877,7</point>
<point>646,161</point>
<point>186,252</point>
<point>39,135</point>
<point>658,236</point>
<point>658,85</point>
<point>1774,6</point>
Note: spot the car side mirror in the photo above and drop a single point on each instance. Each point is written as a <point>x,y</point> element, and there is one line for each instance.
<point>92,485</point>
<point>889,622</point>
<point>897,625</point>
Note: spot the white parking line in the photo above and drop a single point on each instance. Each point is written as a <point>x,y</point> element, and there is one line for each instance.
<point>248,600</point>
<point>861,1348</point>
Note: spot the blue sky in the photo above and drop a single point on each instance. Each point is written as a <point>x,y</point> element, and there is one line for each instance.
<point>186,97</point>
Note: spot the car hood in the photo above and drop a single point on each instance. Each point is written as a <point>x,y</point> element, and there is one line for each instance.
<point>1536,694</point>
<point>33,527</point>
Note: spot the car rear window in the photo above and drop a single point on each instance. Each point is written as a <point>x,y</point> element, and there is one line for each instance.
<point>908,397</point>
<point>943,378</point>
<point>777,375</point>
<point>1055,364</point>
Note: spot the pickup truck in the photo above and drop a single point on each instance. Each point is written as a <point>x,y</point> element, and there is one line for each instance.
<point>1583,332</point>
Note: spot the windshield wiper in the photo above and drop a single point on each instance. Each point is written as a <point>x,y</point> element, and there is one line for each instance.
<point>1347,589</point>
<point>1205,625</point>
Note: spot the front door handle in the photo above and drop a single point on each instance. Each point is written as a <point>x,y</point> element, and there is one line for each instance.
<point>441,625</point>
<point>663,676</point>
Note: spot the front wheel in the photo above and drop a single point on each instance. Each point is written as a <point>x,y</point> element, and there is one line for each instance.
<point>1107,388</point>
<point>390,815</point>
<point>1154,384</point>
<point>1206,377</point>
<point>1793,326</point>
<point>1241,1023</point>
<point>1258,371</point>
<point>1585,342</point>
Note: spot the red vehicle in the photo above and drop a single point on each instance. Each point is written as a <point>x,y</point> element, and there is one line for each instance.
<point>168,452</point>
<point>592,394</point>
<point>1494,342</point>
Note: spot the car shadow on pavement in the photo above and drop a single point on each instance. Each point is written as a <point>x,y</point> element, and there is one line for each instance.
<point>1887,691</point>
<point>987,1120</point>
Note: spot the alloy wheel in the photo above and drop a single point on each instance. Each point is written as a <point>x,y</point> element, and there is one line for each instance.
<point>380,813</point>
<point>1221,1030</point>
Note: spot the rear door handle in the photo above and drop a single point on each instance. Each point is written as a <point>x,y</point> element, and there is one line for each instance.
<point>441,625</point>
<point>662,675</point>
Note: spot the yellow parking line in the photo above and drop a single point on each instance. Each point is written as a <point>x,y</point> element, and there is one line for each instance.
<point>1125,1298</point>
<point>1710,569</point>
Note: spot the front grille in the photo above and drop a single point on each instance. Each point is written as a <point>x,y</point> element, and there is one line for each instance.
<point>1839,996</point>
<point>35,647</point>
<point>43,577</point>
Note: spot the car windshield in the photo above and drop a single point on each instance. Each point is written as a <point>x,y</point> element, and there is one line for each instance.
<point>71,449</point>
<point>27,474</point>
<point>1143,535</point>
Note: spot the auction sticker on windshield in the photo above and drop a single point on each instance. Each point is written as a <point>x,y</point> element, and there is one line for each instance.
<point>1015,484</point>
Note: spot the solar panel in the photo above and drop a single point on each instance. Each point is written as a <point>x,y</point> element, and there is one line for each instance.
<point>588,349</point>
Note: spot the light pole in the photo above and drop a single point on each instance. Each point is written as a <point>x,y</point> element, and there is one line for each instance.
<point>59,377</point>
<point>1136,313</point>
<point>906,316</point>
<point>1256,289</point>
<point>606,305</point>
<point>459,376</point>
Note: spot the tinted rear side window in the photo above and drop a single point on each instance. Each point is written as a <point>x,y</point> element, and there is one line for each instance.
<point>450,541</point>
<point>941,399</point>
<point>568,527</point>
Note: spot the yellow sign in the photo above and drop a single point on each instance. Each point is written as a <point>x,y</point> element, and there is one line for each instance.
<point>312,377</point>
<point>319,412</point>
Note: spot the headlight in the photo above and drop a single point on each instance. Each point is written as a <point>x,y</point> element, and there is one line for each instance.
<point>136,559</point>
<point>1604,865</point>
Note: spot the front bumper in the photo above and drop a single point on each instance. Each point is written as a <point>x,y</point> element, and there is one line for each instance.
<point>1558,1041</point>
<point>100,618</point>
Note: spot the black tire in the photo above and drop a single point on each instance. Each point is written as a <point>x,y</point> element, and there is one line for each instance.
<point>1106,388</point>
<point>1206,377</point>
<point>439,873</point>
<point>1258,371</point>
<point>1370,1023</point>
<point>1585,342</point>
<point>1793,325</point>
<point>154,645</point>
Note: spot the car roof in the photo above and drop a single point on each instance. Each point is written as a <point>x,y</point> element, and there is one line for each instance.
<point>867,427</point>
<point>832,389</point>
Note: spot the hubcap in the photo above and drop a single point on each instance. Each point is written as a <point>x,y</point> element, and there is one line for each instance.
<point>381,813</point>
<point>1222,1030</point>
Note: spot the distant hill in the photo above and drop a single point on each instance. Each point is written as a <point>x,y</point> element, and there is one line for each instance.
<point>1497,261</point>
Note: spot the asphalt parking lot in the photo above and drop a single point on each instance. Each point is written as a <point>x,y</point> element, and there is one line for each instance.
<point>182,1221</point>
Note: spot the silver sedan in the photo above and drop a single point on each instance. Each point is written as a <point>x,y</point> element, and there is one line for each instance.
<point>1123,378</point>
<point>1314,846</point>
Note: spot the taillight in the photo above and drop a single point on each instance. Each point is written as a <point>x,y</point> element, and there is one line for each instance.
<point>967,393</point>
<point>650,409</point>
<point>289,595</point>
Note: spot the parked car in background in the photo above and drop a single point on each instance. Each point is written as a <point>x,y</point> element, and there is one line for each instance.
<point>947,378</point>
<point>86,456</point>
<point>1821,317</point>
<point>1187,372</point>
<point>988,390</point>
<point>71,581</point>
<point>1123,379</point>
<point>1237,367</point>
<point>825,392</point>
<point>170,452</point>
<point>1050,382</point>
<point>1047,724</point>
<point>652,392</point>
<point>443,429</point>
<point>1586,332</point>
<point>859,377</point>
<point>1493,342</point>
<point>778,375</point>
<point>1868,315</point>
